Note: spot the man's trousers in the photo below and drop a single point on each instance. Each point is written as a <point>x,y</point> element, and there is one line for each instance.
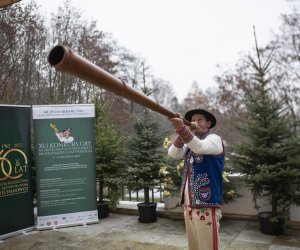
<point>202,227</point>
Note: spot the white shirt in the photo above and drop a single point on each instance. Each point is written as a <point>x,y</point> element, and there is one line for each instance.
<point>210,145</point>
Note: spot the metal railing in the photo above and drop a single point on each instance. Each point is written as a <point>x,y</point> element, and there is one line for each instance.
<point>156,194</point>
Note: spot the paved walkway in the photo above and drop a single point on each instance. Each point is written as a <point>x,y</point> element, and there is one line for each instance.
<point>124,232</point>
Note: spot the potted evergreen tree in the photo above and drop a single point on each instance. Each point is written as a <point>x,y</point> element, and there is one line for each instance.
<point>143,157</point>
<point>109,146</point>
<point>269,157</point>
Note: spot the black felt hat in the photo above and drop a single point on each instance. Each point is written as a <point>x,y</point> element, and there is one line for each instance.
<point>209,116</point>
<point>67,129</point>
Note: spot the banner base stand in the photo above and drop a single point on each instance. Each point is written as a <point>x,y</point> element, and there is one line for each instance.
<point>22,231</point>
<point>40,228</point>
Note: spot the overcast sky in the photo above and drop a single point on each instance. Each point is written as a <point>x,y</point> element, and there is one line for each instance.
<point>184,40</point>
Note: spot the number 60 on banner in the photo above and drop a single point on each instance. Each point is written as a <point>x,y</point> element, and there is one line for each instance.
<point>8,171</point>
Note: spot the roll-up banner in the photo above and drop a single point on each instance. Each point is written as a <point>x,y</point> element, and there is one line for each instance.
<point>65,165</point>
<point>16,191</point>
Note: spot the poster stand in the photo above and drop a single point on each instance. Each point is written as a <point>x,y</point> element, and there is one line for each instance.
<point>65,165</point>
<point>16,191</point>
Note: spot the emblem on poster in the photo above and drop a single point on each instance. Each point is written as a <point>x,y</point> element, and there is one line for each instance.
<point>9,170</point>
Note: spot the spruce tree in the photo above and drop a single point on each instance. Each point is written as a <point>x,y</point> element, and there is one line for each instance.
<point>109,146</point>
<point>269,157</point>
<point>144,153</point>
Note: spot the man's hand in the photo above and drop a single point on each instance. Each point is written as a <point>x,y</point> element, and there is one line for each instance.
<point>177,122</point>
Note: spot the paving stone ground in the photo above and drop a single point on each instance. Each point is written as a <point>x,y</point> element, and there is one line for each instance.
<point>124,232</point>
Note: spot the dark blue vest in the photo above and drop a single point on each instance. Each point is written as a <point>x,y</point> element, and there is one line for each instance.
<point>205,179</point>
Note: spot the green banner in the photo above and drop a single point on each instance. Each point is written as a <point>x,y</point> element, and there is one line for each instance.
<point>65,162</point>
<point>16,194</point>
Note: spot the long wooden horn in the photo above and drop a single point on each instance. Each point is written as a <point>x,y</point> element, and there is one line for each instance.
<point>64,59</point>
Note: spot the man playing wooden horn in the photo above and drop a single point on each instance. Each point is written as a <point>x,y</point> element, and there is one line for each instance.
<point>63,136</point>
<point>201,196</point>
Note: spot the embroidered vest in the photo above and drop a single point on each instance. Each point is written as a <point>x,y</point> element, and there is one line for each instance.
<point>205,179</point>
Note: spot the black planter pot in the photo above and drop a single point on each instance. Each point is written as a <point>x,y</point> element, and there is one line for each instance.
<point>268,226</point>
<point>103,210</point>
<point>147,212</point>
